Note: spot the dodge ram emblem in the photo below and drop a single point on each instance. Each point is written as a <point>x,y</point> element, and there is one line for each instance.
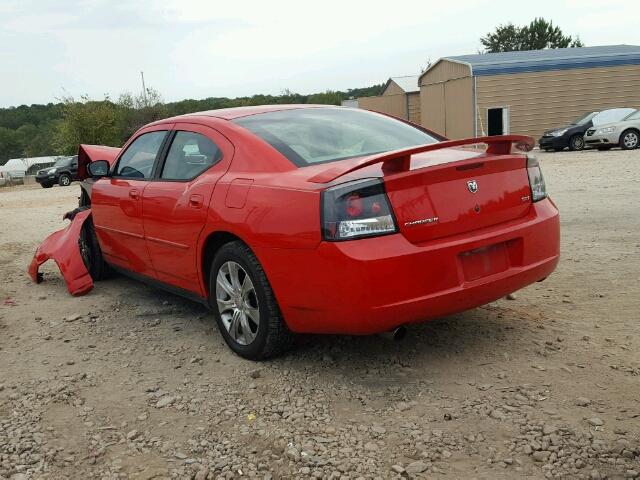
<point>472,185</point>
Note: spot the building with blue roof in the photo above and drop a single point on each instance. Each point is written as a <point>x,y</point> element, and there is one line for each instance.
<point>526,92</point>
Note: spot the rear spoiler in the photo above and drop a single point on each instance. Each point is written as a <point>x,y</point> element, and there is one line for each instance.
<point>400,160</point>
<point>91,153</point>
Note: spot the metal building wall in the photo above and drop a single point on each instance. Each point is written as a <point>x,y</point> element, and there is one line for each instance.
<point>542,100</point>
<point>392,104</point>
<point>393,101</point>
<point>413,102</point>
<point>446,99</point>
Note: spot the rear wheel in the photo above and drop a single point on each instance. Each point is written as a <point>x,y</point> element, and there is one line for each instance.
<point>576,143</point>
<point>64,180</point>
<point>629,139</point>
<point>90,251</point>
<point>244,305</point>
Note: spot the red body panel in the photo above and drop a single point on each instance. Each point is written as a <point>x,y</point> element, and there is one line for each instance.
<point>91,153</point>
<point>484,244</point>
<point>174,214</point>
<point>62,247</point>
<point>375,284</point>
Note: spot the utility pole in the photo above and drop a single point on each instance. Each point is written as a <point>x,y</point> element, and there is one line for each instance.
<point>144,88</point>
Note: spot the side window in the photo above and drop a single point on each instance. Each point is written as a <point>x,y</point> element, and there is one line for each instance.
<point>137,161</point>
<point>190,155</point>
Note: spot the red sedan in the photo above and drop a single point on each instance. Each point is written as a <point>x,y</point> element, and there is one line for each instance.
<point>317,219</point>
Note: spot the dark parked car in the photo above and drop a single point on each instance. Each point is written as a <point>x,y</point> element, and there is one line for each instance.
<point>63,172</point>
<point>572,135</point>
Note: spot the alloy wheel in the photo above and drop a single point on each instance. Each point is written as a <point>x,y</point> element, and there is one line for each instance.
<point>578,143</point>
<point>631,140</point>
<point>65,181</point>
<point>237,303</point>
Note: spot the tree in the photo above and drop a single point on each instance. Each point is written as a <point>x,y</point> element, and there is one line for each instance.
<point>87,121</point>
<point>539,34</point>
<point>138,110</point>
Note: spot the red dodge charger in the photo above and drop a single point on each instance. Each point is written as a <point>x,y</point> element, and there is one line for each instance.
<point>316,219</point>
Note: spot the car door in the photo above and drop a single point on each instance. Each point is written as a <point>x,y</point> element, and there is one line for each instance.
<point>175,204</point>
<point>74,168</point>
<point>116,201</point>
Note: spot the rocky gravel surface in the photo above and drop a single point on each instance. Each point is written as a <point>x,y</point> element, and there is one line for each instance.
<point>131,382</point>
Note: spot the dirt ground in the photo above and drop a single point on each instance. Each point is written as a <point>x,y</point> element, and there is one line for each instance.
<point>132,382</point>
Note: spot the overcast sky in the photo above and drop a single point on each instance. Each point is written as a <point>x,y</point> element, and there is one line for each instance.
<point>205,48</point>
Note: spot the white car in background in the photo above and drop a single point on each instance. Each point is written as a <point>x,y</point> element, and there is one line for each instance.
<point>13,172</point>
<point>624,134</point>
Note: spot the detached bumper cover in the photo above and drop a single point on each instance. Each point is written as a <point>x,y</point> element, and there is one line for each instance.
<point>62,247</point>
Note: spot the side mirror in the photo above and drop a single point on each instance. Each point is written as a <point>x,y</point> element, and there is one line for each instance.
<point>99,168</point>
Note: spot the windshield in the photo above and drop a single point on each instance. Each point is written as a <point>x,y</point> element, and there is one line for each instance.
<point>633,116</point>
<point>584,119</point>
<point>63,162</point>
<point>612,115</point>
<point>308,136</point>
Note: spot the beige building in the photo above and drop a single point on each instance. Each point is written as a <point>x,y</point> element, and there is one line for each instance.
<point>526,92</point>
<point>401,98</point>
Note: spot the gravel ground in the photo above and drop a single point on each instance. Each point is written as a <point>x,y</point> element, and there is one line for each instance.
<point>131,382</point>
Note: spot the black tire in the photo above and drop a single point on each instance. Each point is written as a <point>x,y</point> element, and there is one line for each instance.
<point>630,139</point>
<point>91,252</point>
<point>64,180</point>
<point>46,185</point>
<point>272,337</point>
<point>576,143</point>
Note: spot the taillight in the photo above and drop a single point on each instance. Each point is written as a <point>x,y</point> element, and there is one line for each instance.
<point>536,180</point>
<point>355,210</point>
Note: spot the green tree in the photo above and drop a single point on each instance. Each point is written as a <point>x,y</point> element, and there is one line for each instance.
<point>10,145</point>
<point>539,34</point>
<point>87,121</point>
<point>136,111</point>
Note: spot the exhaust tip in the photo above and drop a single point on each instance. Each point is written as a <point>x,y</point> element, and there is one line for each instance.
<point>396,334</point>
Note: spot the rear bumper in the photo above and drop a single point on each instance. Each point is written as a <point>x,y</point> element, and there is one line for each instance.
<point>553,142</point>
<point>373,285</point>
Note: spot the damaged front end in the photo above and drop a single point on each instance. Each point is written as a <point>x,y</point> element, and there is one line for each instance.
<point>64,247</point>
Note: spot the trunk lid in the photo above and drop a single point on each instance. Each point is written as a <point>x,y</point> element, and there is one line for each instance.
<point>452,191</point>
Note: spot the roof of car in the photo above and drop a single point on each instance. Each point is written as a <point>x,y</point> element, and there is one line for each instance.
<point>549,59</point>
<point>237,112</point>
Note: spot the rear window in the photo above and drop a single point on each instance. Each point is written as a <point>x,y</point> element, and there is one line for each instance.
<point>310,136</point>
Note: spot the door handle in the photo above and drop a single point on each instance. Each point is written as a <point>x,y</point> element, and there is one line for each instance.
<point>133,193</point>
<point>196,201</point>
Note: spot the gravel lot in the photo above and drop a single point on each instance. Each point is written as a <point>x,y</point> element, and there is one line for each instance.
<point>131,382</point>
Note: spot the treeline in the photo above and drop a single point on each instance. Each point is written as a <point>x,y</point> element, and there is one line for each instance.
<point>58,128</point>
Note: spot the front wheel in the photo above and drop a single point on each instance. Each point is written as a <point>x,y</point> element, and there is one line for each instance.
<point>629,140</point>
<point>244,305</point>
<point>64,180</point>
<point>91,253</point>
<point>576,143</point>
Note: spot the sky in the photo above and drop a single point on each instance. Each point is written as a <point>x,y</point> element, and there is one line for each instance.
<point>208,48</point>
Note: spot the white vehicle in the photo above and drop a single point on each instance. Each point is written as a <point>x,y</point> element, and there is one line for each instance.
<point>13,172</point>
